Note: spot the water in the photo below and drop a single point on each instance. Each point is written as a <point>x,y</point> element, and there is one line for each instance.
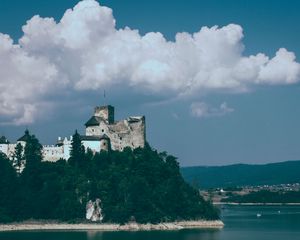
<point>241,223</point>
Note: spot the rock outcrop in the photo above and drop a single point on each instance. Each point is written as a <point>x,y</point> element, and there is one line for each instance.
<point>94,211</point>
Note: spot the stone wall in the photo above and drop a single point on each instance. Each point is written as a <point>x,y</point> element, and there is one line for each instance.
<point>124,133</point>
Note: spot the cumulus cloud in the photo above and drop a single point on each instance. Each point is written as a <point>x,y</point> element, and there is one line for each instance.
<point>203,110</point>
<point>85,51</point>
<point>24,79</point>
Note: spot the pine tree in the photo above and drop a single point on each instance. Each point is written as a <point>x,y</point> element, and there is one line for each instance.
<point>31,178</point>
<point>77,151</point>
<point>33,152</point>
<point>18,157</point>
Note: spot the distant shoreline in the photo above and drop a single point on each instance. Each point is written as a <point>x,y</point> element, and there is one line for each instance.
<point>216,224</point>
<point>257,204</point>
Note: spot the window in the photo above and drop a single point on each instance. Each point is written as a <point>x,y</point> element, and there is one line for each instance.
<point>120,138</point>
<point>102,130</point>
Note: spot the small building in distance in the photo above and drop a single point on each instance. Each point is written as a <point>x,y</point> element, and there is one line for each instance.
<point>102,133</point>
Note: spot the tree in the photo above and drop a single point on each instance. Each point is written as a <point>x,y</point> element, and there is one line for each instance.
<point>77,151</point>
<point>31,178</point>
<point>18,157</point>
<point>33,152</point>
<point>8,190</point>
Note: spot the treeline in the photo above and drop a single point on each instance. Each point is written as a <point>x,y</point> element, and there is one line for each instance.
<point>141,184</point>
<point>265,196</point>
<point>206,177</point>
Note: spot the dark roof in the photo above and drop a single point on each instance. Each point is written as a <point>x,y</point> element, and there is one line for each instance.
<point>134,119</point>
<point>25,137</point>
<point>104,136</point>
<point>90,138</point>
<point>94,138</point>
<point>93,121</point>
<point>3,140</point>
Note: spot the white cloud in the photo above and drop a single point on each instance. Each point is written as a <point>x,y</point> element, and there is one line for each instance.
<point>29,112</point>
<point>24,79</point>
<point>203,110</point>
<point>85,51</point>
<point>280,69</point>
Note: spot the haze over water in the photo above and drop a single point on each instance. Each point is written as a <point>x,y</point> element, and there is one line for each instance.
<point>241,222</point>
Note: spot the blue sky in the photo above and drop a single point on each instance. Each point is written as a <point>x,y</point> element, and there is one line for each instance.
<point>213,121</point>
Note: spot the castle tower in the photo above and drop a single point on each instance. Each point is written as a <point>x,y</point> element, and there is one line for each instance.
<point>107,113</point>
<point>3,140</point>
<point>24,138</point>
<point>129,132</point>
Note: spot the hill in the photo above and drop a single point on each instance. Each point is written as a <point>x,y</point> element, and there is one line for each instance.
<point>139,185</point>
<point>242,174</point>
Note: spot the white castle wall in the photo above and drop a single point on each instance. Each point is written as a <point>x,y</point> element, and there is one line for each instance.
<point>53,153</point>
<point>4,148</point>
<point>92,145</point>
<point>8,149</point>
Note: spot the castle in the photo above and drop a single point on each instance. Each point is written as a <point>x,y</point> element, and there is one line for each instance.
<point>102,133</point>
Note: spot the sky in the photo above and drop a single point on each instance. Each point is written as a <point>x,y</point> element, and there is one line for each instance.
<point>218,81</point>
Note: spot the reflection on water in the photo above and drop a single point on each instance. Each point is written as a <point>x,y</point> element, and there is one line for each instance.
<point>94,235</point>
<point>157,235</point>
<point>241,222</point>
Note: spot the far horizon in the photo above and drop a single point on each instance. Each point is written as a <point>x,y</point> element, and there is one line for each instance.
<point>234,164</point>
<point>216,81</point>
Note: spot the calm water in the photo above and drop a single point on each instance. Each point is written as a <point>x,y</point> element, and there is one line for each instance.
<point>241,223</point>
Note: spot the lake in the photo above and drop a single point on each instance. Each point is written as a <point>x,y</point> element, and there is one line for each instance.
<point>241,223</point>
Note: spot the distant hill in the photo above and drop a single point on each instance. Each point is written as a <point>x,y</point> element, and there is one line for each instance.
<point>243,174</point>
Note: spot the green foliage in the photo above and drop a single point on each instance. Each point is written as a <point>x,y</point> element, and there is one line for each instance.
<point>142,184</point>
<point>18,157</point>
<point>77,151</point>
<point>33,152</point>
<point>147,185</point>
<point>8,186</point>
